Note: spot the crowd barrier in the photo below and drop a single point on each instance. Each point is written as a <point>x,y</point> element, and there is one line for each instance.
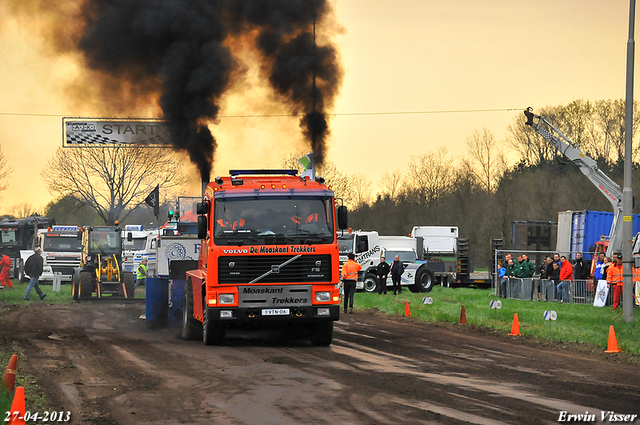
<point>579,291</point>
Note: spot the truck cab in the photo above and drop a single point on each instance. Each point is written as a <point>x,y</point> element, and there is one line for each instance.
<point>61,252</point>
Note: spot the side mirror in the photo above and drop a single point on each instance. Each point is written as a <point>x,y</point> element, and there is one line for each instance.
<point>342,217</point>
<point>202,207</point>
<point>202,227</point>
<point>129,237</point>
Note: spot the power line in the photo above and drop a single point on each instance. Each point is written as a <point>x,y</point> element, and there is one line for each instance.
<point>345,114</point>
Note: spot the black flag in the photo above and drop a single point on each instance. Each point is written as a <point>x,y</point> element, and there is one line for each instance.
<point>153,200</point>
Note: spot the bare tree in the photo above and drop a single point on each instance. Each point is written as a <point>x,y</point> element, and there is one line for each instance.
<point>390,184</point>
<point>21,210</point>
<point>430,175</point>
<point>5,172</point>
<point>490,163</point>
<point>113,181</point>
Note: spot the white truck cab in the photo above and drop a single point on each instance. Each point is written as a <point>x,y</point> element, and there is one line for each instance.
<point>61,252</point>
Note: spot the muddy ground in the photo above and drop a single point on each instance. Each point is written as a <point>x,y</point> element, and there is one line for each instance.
<point>100,362</point>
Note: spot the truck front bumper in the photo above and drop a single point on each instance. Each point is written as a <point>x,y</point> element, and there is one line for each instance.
<point>254,315</point>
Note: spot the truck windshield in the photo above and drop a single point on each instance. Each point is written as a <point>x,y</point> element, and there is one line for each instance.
<point>9,236</point>
<point>273,220</point>
<point>62,243</point>
<point>404,256</point>
<point>136,244</point>
<point>345,245</point>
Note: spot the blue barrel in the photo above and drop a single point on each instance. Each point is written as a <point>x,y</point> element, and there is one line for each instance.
<point>157,302</point>
<point>176,292</point>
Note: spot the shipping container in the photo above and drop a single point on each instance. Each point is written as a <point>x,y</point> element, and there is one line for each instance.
<point>587,227</point>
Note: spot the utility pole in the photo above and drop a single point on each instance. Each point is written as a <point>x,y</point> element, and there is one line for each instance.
<point>627,192</point>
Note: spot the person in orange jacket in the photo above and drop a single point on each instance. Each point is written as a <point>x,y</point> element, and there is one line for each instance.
<point>614,279</point>
<point>636,284</point>
<point>566,274</point>
<point>349,276</point>
<point>5,263</point>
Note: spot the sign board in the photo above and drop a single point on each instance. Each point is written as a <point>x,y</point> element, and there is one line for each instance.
<point>427,300</point>
<point>550,315</point>
<point>496,304</point>
<point>112,132</point>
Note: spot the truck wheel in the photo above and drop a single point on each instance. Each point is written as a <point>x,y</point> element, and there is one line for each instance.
<point>129,283</point>
<point>212,332</point>
<point>322,334</point>
<point>424,281</point>
<point>22,277</point>
<point>190,326</point>
<point>370,283</point>
<point>87,284</point>
<point>75,286</point>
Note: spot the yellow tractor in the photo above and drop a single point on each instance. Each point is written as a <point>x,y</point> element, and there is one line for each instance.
<point>101,269</point>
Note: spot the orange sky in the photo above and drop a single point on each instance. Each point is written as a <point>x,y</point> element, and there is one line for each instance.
<point>398,56</point>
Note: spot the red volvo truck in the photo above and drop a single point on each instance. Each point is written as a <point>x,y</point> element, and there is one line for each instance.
<point>269,257</point>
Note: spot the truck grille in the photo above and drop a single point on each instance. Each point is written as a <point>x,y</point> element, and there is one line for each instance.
<point>274,269</point>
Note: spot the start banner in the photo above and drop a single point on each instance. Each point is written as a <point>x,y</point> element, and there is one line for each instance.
<point>105,132</point>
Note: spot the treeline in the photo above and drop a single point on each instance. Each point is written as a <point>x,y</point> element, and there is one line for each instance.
<point>483,195</point>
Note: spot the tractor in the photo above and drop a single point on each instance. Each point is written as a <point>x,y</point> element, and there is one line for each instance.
<point>101,268</point>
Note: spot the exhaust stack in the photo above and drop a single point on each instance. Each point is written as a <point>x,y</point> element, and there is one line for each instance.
<point>205,183</point>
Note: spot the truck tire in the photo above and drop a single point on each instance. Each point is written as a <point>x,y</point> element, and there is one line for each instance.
<point>87,284</point>
<point>75,285</point>
<point>370,283</point>
<point>212,331</point>
<point>322,334</point>
<point>424,280</point>
<point>22,277</point>
<point>129,283</point>
<point>191,327</point>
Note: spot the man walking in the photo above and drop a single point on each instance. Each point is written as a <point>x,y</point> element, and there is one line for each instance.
<point>382,271</point>
<point>349,274</point>
<point>141,275</point>
<point>397,268</point>
<point>33,267</point>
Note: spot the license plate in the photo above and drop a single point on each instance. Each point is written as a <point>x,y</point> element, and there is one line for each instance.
<point>276,312</point>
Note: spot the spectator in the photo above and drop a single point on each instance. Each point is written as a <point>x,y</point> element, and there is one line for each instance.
<point>507,257</point>
<point>580,267</point>
<point>521,269</point>
<point>33,267</point>
<point>5,265</point>
<point>597,272</point>
<point>349,274</point>
<point>382,271</point>
<point>556,258</point>
<point>528,267</point>
<point>566,274</point>
<point>614,279</point>
<point>141,275</point>
<point>397,268</point>
<point>546,269</point>
<point>605,266</point>
<point>509,272</point>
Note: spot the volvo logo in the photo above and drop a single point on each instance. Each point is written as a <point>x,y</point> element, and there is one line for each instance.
<point>318,263</point>
<point>275,269</point>
<point>232,264</point>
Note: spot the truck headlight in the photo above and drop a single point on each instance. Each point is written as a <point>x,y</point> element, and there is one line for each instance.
<point>226,298</point>
<point>323,296</point>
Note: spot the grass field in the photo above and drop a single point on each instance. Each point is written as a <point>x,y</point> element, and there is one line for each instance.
<point>575,322</point>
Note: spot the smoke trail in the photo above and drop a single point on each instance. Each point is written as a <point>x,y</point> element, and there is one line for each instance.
<point>306,76</point>
<point>177,51</point>
<point>177,42</point>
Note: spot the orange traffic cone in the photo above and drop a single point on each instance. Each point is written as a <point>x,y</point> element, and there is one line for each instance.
<point>515,328</point>
<point>613,342</point>
<point>463,315</point>
<point>16,415</point>
<point>9,377</point>
<point>407,310</point>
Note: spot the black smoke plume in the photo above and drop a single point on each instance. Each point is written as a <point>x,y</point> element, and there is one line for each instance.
<point>181,45</point>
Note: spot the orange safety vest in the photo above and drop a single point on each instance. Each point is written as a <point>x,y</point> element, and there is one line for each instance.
<point>636,274</point>
<point>614,274</point>
<point>350,270</point>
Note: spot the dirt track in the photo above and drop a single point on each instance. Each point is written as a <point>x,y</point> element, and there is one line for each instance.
<point>99,361</point>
